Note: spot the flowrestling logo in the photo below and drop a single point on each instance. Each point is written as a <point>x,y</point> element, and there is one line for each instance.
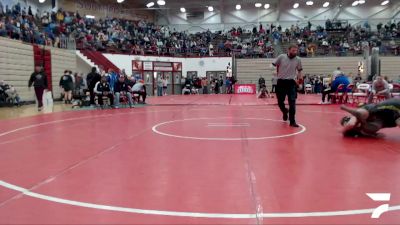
<point>379,197</point>
<point>245,89</point>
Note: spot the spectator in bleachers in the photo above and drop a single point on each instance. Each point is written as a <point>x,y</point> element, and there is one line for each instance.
<point>39,81</point>
<point>103,89</point>
<point>339,80</point>
<point>122,89</point>
<point>67,84</point>
<point>379,87</point>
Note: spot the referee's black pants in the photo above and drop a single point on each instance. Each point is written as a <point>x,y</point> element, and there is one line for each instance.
<point>287,88</point>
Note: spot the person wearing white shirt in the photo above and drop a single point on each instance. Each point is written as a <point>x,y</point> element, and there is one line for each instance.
<point>337,72</point>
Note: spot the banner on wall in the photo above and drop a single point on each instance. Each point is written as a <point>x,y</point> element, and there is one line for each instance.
<point>177,66</point>
<point>147,65</point>
<point>162,66</point>
<point>137,65</point>
<point>249,89</point>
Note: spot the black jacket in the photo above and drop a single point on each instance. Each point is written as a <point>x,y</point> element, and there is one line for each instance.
<point>100,88</point>
<point>38,79</point>
<point>92,79</point>
<point>121,86</point>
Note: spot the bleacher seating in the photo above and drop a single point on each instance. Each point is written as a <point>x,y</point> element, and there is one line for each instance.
<point>16,65</point>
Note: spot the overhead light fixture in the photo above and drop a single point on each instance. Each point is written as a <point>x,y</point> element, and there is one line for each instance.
<point>120,1</point>
<point>266,6</point>
<point>309,3</point>
<point>361,1</point>
<point>296,5</point>
<point>355,3</point>
<point>326,4</point>
<point>258,5</point>
<point>42,1</point>
<point>183,10</point>
<point>160,2</point>
<point>210,8</point>
<point>238,7</point>
<point>150,4</point>
<point>385,2</point>
<point>88,16</point>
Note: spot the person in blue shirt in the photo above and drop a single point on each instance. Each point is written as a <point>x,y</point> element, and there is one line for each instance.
<point>341,79</point>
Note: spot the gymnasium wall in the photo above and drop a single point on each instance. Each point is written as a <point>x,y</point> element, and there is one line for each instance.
<point>201,65</point>
<point>16,66</point>
<point>249,70</point>
<point>390,67</point>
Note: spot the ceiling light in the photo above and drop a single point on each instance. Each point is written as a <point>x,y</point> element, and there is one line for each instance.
<point>42,1</point>
<point>309,3</point>
<point>183,10</point>
<point>266,6</point>
<point>120,1</point>
<point>238,7</point>
<point>355,3</point>
<point>160,2</point>
<point>210,8</point>
<point>150,4</point>
<point>326,4</point>
<point>258,5</point>
<point>361,1</point>
<point>385,2</point>
<point>296,5</point>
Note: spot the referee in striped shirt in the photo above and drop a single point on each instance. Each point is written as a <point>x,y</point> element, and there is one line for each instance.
<point>288,71</point>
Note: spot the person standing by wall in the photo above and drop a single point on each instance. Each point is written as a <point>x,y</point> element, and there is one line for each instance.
<point>288,70</point>
<point>274,81</point>
<point>39,81</point>
<point>160,86</point>
<point>261,83</point>
<point>91,79</point>
<point>204,84</point>
<point>165,85</point>
<point>67,84</point>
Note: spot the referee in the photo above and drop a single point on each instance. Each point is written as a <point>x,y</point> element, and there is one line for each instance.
<point>288,70</point>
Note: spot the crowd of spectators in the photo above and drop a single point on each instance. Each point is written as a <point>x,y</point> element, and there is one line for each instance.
<point>59,28</point>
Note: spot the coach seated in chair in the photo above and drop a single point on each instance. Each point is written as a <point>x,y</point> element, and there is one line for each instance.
<point>341,79</point>
<point>102,89</point>
<point>140,89</point>
<point>380,87</point>
<point>122,88</point>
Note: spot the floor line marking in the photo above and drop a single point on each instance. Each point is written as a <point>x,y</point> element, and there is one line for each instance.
<point>188,214</point>
<point>155,130</point>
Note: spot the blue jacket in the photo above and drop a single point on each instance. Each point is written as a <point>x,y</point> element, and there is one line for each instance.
<point>342,79</point>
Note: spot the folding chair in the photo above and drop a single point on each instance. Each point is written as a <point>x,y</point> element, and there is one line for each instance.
<point>362,91</point>
<point>337,97</point>
<point>395,91</point>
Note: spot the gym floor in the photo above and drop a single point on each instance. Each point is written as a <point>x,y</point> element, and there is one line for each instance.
<point>215,159</point>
